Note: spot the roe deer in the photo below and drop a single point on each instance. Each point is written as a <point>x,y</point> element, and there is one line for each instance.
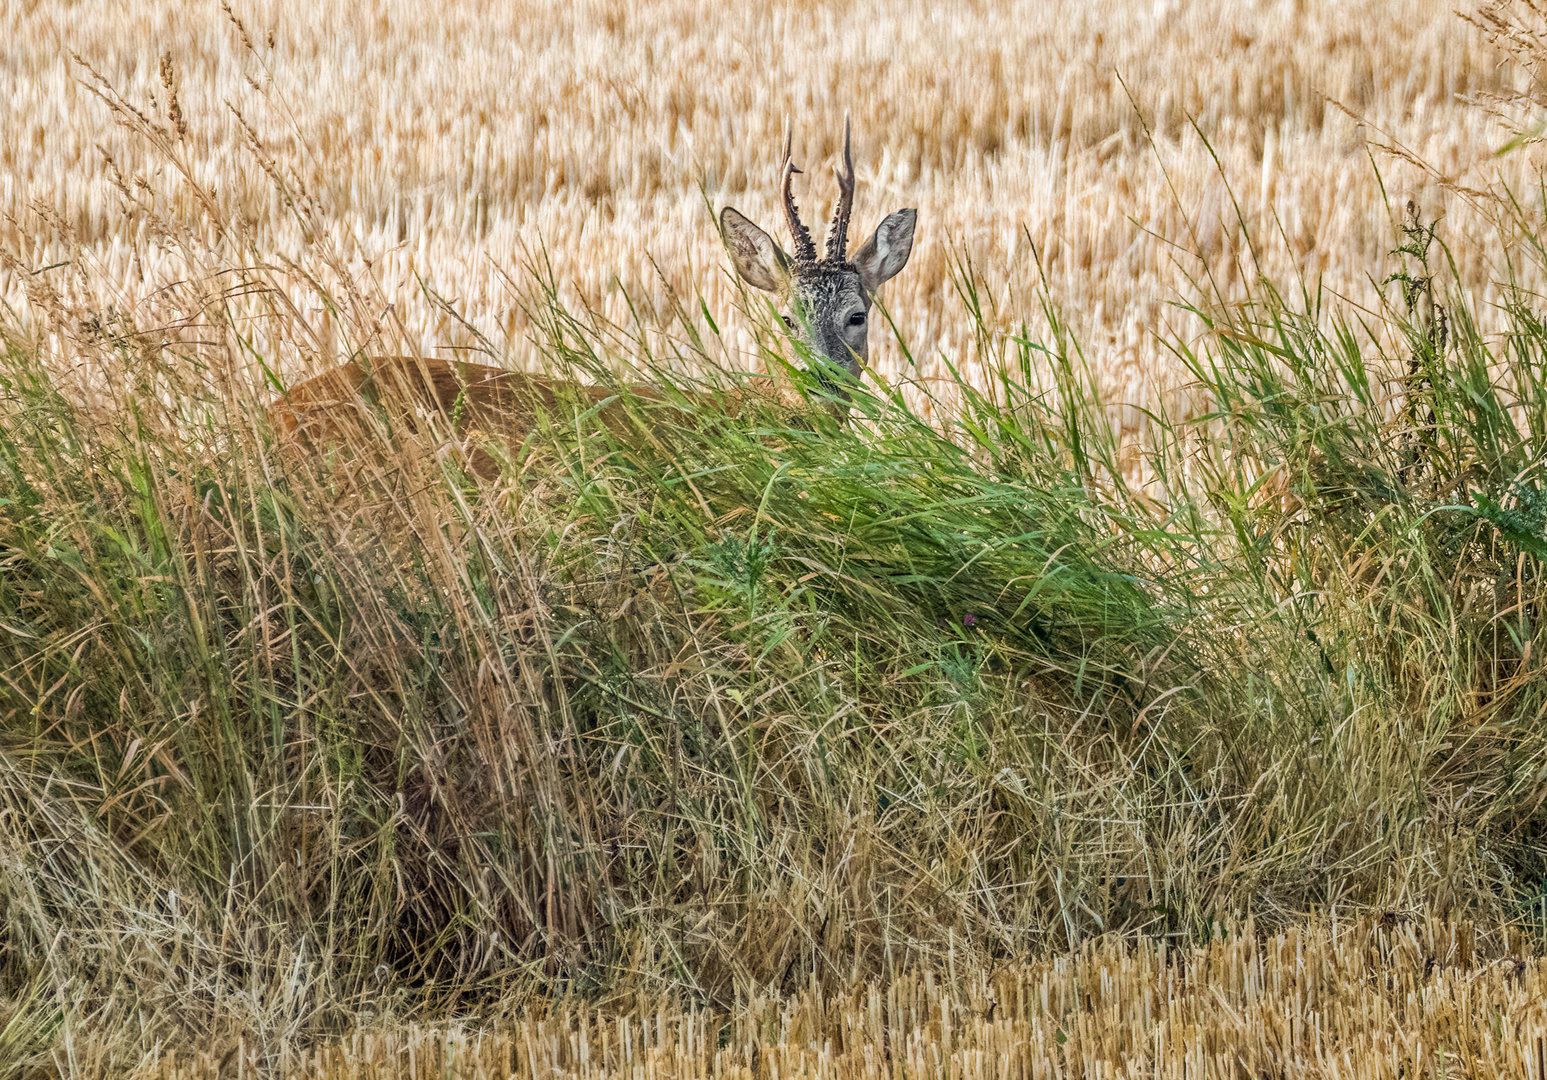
<point>826,306</point>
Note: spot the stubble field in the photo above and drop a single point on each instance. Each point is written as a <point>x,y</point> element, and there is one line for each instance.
<point>1112,159</point>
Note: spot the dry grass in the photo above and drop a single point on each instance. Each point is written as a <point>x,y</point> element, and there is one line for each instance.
<point>451,142</point>
<point>1366,1001</point>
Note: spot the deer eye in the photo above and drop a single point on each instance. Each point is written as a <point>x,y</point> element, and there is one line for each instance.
<point>857,319</point>
<point>789,323</point>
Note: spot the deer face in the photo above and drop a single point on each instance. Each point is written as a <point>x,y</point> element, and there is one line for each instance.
<point>826,301</point>
<point>829,312</point>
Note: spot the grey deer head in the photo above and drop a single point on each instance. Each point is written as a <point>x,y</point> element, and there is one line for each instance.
<point>826,301</point>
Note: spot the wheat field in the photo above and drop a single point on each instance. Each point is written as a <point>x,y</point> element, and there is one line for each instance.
<point>1113,160</point>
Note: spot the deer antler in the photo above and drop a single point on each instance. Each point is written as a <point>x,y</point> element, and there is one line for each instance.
<point>805,250</point>
<point>838,235</point>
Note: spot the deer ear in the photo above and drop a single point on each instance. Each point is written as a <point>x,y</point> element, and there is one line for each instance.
<point>754,254</point>
<point>887,250</point>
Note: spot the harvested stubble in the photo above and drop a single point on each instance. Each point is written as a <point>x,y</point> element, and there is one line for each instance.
<point>1368,1000</point>
<point>1052,143</point>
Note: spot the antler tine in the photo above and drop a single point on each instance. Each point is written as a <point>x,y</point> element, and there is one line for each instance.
<point>805,249</point>
<point>838,234</point>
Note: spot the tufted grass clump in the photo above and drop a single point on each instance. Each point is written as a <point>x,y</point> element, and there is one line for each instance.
<point>749,702</point>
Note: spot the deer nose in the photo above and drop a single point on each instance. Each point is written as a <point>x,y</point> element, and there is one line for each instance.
<point>836,349</point>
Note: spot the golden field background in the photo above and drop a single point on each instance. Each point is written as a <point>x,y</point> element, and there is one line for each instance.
<point>457,142</point>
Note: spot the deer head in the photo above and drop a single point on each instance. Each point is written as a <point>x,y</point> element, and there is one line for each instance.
<point>826,300</point>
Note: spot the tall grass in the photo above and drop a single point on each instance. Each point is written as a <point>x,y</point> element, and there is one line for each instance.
<point>730,705</point>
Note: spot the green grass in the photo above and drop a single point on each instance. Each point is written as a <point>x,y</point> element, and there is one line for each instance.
<point>746,703</point>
